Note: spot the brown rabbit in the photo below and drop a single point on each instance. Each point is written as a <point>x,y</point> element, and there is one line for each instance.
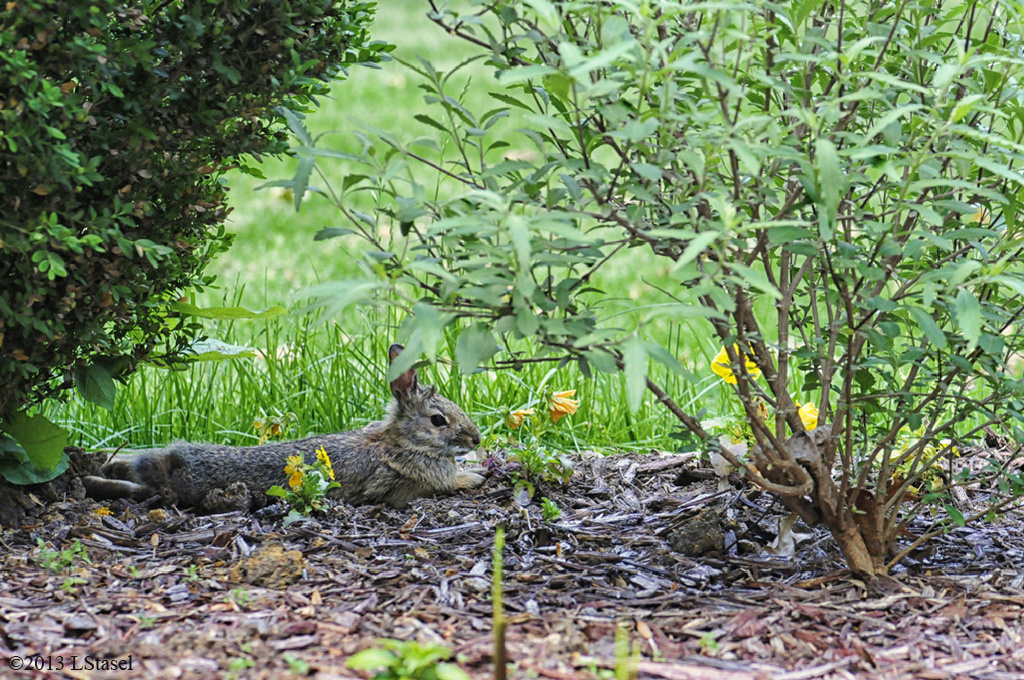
<point>411,453</point>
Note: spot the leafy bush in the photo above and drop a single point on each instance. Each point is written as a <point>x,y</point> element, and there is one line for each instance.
<point>117,123</point>
<point>832,189</point>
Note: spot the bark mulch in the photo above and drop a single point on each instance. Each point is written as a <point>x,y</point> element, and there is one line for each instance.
<point>168,594</point>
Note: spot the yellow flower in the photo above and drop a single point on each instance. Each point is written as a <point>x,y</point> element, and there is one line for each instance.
<point>982,216</point>
<point>809,416</point>
<point>721,367</point>
<point>562,404</point>
<point>102,512</point>
<point>515,419</point>
<point>321,455</point>
<point>761,409</point>
<point>294,468</point>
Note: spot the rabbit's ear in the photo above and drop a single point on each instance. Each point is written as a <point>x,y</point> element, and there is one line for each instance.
<point>393,352</point>
<point>405,384</point>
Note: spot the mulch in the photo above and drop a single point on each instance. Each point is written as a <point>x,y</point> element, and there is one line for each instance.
<point>170,594</point>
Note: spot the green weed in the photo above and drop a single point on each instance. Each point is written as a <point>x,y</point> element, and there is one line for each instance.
<point>407,660</point>
<point>59,560</point>
<point>549,510</point>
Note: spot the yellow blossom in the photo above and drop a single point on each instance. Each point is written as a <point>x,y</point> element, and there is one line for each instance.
<point>103,511</point>
<point>294,468</point>
<point>982,216</point>
<point>761,409</point>
<point>562,404</point>
<point>321,455</point>
<point>809,416</point>
<point>722,368</point>
<point>515,419</point>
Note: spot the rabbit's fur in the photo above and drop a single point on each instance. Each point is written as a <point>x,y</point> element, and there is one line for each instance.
<point>411,453</point>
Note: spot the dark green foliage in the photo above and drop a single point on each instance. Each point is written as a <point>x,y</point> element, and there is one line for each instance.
<point>116,124</point>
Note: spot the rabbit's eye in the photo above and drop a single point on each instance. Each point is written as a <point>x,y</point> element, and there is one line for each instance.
<point>438,420</point>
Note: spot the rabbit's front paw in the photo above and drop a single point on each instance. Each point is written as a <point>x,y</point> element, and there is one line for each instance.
<point>468,480</point>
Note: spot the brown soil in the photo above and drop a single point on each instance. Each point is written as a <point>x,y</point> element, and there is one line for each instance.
<point>169,594</point>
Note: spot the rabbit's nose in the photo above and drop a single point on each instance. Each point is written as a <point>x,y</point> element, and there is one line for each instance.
<point>475,438</point>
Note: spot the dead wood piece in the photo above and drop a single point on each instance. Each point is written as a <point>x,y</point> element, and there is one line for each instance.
<point>666,463</point>
<point>682,671</point>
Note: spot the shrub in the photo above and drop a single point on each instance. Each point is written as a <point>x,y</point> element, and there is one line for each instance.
<point>831,187</point>
<point>117,124</point>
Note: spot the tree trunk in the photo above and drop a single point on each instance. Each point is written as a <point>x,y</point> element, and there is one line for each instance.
<point>859,560</point>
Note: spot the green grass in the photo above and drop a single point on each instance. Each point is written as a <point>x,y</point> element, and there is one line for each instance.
<point>330,372</point>
<point>334,380</point>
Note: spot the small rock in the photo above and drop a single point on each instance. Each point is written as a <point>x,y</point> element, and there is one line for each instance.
<point>269,567</point>
<point>76,489</point>
<point>475,581</point>
<point>700,536</point>
<point>80,622</point>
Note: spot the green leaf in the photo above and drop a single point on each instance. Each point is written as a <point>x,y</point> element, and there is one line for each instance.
<point>332,232</point>
<point>512,101</point>
<point>42,441</point>
<point>889,118</point>
<point>300,182</point>
<point>95,384</point>
<point>520,234</point>
<point>803,9</point>
<point>544,10</point>
<point>955,515</point>
<point>337,296</point>
<point>232,313</point>
<point>522,493</point>
<point>277,491</point>
<point>10,449</point>
<point>216,350</point>
<point>969,317</point>
<point>1000,169</point>
<point>634,357</point>
<point>427,120</point>
<point>558,85</point>
<point>449,671</point>
<point>697,245</point>
<point>788,234</point>
<point>296,124</point>
<point>423,329</point>
<point>524,74</point>
<point>928,326</point>
<point>23,472</point>
<point>944,75</point>
<point>475,346</point>
<point>830,184</point>
<point>372,658</point>
<point>601,60</point>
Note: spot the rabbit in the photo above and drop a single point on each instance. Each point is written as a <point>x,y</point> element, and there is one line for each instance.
<point>409,454</point>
